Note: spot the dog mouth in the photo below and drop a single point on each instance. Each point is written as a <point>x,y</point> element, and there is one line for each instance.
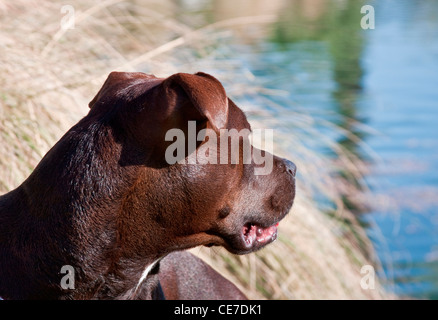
<point>251,237</point>
<point>255,236</point>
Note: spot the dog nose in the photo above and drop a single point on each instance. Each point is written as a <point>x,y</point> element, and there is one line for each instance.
<point>290,167</point>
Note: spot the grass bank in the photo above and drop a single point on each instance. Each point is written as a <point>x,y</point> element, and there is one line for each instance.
<point>49,74</point>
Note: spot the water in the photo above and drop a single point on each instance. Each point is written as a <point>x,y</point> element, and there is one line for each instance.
<point>401,101</point>
<point>386,79</point>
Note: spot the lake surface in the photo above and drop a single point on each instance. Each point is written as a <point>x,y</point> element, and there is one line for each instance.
<point>400,100</point>
<point>380,84</point>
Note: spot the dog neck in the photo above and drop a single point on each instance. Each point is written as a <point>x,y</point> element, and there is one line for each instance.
<point>145,273</point>
<point>148,285</point>
<point>121,284</point>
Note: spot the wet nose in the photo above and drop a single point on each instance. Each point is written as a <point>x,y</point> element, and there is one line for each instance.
<point>290,167</point>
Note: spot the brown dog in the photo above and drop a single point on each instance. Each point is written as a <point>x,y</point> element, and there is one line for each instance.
<point>105,201</point>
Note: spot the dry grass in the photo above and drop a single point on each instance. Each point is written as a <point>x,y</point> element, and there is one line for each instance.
<point>49,75</point>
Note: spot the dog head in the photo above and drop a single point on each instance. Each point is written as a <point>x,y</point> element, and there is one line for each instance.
<point>197,178</point>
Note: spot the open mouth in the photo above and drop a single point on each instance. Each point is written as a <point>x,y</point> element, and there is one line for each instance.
<point>255,236</point>
<point>249,238</point>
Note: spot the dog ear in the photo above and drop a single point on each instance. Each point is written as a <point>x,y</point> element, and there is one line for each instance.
<point>115,84</point>
<point>205,93</point>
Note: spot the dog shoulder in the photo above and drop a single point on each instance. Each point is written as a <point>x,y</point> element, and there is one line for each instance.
<point>183,276</point>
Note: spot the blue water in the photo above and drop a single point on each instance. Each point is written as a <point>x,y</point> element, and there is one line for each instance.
<point>401,102</point>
